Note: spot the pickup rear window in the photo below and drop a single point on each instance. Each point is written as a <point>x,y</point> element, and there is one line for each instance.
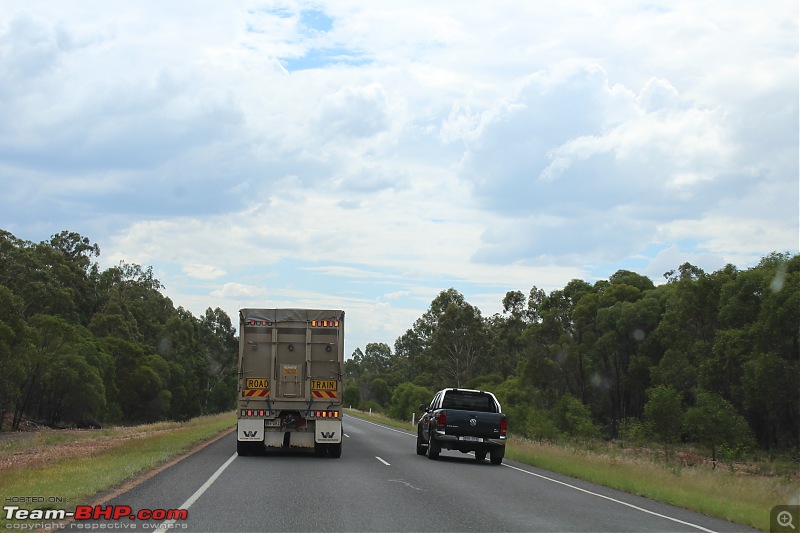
<point>469,401</point>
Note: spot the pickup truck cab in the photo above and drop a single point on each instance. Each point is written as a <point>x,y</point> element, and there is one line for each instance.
<point>465,420</point>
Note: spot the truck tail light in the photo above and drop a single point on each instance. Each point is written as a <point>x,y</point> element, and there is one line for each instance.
<point>441,421</point>
<point>252,412</point>
<point>324,323</point>
<point>503,426</point>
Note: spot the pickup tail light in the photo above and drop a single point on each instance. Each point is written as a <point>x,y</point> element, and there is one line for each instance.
<point>503,426</point>
<point>441,421</point>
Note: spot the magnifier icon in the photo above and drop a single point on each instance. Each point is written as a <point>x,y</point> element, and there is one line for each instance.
<point>785,519</point>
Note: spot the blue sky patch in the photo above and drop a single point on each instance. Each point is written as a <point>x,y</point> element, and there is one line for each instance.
<point>323,57</point>
<point>316,20</point>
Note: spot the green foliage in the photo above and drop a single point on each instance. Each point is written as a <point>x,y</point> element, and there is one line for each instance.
<point>371,406</point>
<point>351,395</point>
<point>536,423</point>
<point>379,391</point>
<point>663,414</point>
<point>407,398</point>
<point>632,431</point>
<point>714,422</point>
<point>83,347</point>
<point>574,419</point>
<point>486,382</point>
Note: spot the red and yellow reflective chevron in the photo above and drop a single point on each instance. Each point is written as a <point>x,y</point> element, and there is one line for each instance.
<point>324,394</point>
<point>256,392</point>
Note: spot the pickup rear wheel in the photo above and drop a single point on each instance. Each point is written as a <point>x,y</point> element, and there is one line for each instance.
<point>496,458</point>
<point>420,446</point>
<point>480,456</point>
<point>433,448</point>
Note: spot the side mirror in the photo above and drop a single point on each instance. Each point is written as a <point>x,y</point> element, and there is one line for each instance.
<point>423,408</point>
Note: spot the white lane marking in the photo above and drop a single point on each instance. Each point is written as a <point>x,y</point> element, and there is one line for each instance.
<point>701,528</point>
<point>381,460</point>
<point>384,427</point>
<point>346,435</point>
<point>642,509</point>
<point>167,524</point>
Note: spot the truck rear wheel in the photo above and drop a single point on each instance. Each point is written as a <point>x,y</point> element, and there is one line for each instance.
<point>248,448</point>
<point>328,450</point>
<point>335,450</point>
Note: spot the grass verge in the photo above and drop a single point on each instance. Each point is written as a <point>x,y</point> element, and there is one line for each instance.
<point>742,498</point>
<point>81,465</point>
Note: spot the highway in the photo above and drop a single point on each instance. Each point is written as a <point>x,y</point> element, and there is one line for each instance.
<point>380,484</point>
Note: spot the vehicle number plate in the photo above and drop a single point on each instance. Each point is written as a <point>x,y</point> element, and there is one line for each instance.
<point>273,423</point>
<point>471,439</point>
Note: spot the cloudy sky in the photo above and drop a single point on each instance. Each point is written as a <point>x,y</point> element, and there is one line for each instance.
<point>366,155</point>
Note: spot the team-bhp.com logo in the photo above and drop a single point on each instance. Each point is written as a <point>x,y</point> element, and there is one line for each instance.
<point>86,516</point>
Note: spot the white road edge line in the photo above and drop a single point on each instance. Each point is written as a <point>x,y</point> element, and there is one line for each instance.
<point>642,509</point>
<point>167,524</point>
<point>381,460</point>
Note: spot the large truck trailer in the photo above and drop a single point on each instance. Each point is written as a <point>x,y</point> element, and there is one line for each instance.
<point>290,380</point>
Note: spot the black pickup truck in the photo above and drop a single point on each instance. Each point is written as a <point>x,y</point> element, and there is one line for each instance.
<point>464,420</point>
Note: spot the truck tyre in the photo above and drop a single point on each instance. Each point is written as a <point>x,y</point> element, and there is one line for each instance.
<point>335,450</point>
<point>496,458</point>
<point>433,448</point>
<point>242,448</point>
<point>420,446</point>
<point>480,456</point>
<point>320,449</point>
<point>247,448</point>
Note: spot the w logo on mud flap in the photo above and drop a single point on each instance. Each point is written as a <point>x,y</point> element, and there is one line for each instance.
<point>250,434</point>
<point>327,434</point>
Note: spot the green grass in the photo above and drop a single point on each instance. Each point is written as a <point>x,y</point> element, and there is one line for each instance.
<point>740,497</point>
<point>117,455</point>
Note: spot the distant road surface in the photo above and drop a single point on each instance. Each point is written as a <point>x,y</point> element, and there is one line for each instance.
<point>381,484</point>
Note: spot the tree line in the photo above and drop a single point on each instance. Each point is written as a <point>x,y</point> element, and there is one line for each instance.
<point>708,358</point>
<point>83,347</point>
<point>711,358</point>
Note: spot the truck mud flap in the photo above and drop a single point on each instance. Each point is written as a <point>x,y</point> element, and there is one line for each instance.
<point>328,431</point>
<point>250,430</point>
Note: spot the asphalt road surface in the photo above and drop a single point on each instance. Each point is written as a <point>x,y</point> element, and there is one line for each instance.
<point>381,484</point>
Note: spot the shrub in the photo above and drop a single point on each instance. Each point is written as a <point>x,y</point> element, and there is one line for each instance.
<point>632,431</point>
<point>406,400</point>
<point>574,419</point>
<point>351,395</point>
<point>714,422</point>
<point>663,414</point>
